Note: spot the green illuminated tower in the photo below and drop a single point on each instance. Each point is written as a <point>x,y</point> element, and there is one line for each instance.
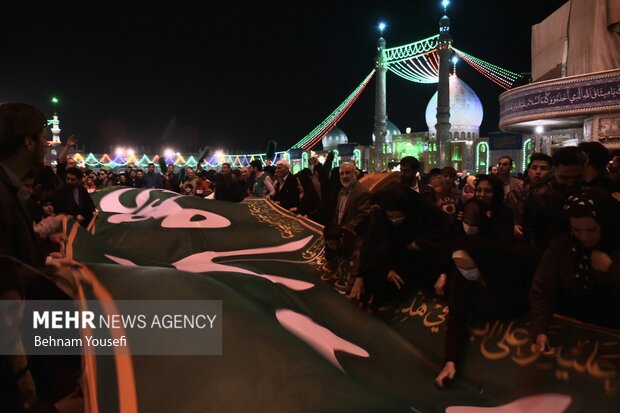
<point>443,89</point>
<point>380,103</point>
<point>55,122</point>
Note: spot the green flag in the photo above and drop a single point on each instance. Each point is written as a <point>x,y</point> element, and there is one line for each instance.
<point>290,341</point>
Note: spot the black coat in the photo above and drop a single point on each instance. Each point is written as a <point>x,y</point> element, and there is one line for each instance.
<point>17,238</point>
<point>288,194</point>
<point>84,207</point>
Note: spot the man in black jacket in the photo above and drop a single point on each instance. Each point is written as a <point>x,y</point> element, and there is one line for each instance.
<point>76,199</point>
<point>22,146</point>
<point>287,192</point>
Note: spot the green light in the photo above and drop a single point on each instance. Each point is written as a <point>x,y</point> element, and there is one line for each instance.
<point>331,120</point>
<point>481,165</point>
<point>358,158</point>
<point>411,50</point>
<point>527,154</point>
<point>55,100</point>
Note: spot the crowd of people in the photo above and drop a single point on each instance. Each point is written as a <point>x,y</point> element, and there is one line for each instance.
<point>493,245</point>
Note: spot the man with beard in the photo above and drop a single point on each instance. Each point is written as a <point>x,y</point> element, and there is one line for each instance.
<point>504,166</point>
<point>409,168</point>
<point>538,175</point>
<point>353,206</point>
<point>75,198</point>
<point>352,212</point>
<point>190,178</point>
<point>22,146</point>
<point>543,216</point>
<point>597,158</point>
<point>171,179</point>
<point>153,179</point>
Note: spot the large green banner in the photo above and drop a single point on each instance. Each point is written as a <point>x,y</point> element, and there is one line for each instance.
<point>291,342</point>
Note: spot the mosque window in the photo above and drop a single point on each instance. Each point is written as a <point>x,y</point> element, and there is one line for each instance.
<point>527,153</point>
<point>357,154</point>
<point>482,157</point>
<point>456,153</point>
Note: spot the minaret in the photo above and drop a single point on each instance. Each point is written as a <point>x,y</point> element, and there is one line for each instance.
<point>380,103</point>
<point>443,89</point>
<point>55,130</point>
<point>55,122</point>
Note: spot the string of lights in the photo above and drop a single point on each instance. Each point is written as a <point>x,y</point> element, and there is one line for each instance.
<point>422,68</point>
<point>216,160</point>
<point>417,62</point>
<point>502,77</point>
<point>328,123</point>
<point>411,50</point>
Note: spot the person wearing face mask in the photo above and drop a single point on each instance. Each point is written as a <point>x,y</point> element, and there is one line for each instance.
<point>579,275</point>
<point>412,234</point>
<point>493,272</point>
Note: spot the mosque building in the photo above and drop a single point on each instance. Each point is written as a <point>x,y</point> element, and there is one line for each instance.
<point>334,138</point>
<point>575,91</point>
<point>466,149</point>
<point>465,118</point>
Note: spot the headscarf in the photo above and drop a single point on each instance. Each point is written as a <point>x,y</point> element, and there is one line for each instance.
<point>598,205</point>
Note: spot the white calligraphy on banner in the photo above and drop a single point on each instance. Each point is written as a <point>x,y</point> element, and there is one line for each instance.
<point>175,216</point>
<point>318,337</point>
<point>203,262</point>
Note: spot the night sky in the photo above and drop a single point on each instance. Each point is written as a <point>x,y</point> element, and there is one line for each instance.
<point>234,75</point>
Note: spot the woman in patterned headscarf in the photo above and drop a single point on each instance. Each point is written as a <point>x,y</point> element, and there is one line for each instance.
<point>579,275</point>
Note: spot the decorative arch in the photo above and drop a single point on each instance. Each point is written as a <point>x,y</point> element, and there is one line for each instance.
<point>527,153</point>
<point>357,154</point>
<point>482,157</point>
<point>296,167</point>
